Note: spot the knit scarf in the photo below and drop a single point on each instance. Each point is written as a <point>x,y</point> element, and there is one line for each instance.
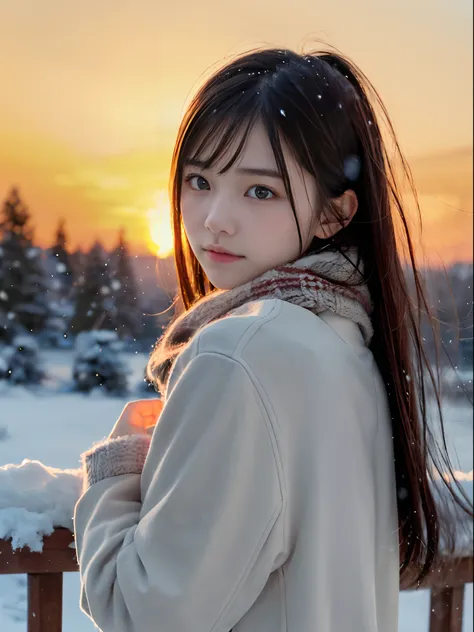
<point>329,280</point>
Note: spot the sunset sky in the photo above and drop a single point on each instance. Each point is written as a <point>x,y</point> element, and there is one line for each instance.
<point>92,94</point>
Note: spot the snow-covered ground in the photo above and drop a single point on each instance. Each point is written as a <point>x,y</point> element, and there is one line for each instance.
<point>56,428</point>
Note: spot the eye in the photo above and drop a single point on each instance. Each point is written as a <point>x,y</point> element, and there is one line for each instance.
<point>197,183</point>
<point>261,193</point>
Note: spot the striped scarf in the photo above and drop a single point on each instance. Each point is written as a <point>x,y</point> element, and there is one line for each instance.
<point>327,280</point>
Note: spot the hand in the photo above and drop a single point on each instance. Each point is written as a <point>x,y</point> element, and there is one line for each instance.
<point>138,417</point>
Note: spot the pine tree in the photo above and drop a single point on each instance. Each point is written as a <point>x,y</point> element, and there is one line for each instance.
<point>63,271</point>
<point>60,272</point>
<point>94,304</point>
<point>124,287</point>
<point>78,262</point>
<point>3,297</point>
<point>25,286</point>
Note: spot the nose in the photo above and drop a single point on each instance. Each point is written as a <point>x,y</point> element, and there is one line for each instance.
<point>219,218</point>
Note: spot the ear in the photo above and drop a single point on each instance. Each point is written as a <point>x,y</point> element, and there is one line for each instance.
<point>338,215</point>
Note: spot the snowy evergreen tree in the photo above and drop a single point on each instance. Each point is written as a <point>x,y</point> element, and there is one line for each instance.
<point>60,272</point>
<point>24,284</point>
<point>98,362</point>
<point>63,266</point>
<point>78,263</point>
<point>94,303</point>
<point>125,292</point>
<point>20,361</point>
<point>3,297</point>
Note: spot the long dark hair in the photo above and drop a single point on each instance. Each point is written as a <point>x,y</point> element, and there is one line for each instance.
<point>324,109</point>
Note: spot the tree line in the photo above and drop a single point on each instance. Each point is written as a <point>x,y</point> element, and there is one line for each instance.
<point>58,293</point>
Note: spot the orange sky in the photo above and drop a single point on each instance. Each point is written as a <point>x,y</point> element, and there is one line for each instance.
<point>92,94</point>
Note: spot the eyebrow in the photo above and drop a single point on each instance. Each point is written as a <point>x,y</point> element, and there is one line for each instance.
<point>253,171</point>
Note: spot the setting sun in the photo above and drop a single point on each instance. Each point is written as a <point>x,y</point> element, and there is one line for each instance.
<point>160,237</point>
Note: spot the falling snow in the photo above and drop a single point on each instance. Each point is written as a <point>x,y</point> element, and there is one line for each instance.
<point>352,168</point>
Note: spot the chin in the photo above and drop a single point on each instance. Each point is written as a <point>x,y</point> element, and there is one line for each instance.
<point>225,280</point>
<point>222,284</point>
<point>223,277</point>
<point>229,284</point>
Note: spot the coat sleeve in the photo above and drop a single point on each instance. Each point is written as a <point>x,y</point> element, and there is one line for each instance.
<point>190,543</point>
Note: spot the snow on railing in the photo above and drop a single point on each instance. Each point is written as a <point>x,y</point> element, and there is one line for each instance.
<point>34,499</point>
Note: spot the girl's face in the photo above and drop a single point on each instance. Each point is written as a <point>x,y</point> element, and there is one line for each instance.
<point>246,213</point>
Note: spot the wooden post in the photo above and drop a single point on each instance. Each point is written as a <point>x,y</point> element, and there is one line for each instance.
<point>45,602</point>
<point>446,609</point>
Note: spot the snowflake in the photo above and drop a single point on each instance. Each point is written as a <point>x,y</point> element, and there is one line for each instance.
<point>352,168</point>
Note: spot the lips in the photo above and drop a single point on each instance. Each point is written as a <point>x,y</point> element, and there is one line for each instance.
<point>221,250</point>
<point>220,255</point>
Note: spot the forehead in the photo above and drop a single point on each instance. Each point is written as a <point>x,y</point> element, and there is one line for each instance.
<point>256,151</point>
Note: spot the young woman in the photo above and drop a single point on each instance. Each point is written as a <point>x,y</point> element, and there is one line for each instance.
<point>287,481</point>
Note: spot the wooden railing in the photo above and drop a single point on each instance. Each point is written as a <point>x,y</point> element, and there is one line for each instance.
<point>447,593</point>
<point>45,583</point>
<point>45,577</point>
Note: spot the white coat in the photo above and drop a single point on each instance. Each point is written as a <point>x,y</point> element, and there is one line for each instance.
<point>267,502</point>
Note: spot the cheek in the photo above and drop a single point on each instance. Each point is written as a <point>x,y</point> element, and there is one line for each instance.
<point>282,224</point>
<point>274,233</point>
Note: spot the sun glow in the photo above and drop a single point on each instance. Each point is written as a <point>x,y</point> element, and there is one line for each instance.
<point>160,237</point>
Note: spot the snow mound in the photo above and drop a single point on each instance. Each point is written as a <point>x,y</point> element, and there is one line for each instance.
<point>34,499</point>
